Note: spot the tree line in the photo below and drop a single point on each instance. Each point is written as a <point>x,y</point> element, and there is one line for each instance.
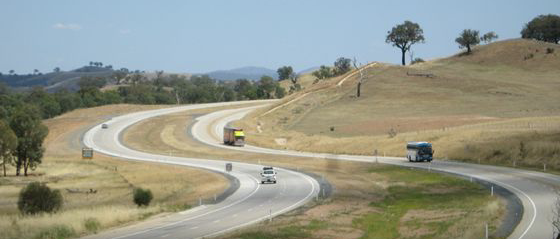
<point>22,132</point>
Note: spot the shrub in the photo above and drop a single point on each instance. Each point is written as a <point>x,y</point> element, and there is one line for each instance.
<point>56,231</point>
<point>36,197</point>
<point>417,60</point>
<point>92,225</point>
<point>142,197</point>
<point>549,50</point>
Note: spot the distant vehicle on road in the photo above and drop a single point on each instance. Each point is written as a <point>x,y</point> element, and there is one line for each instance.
<point>234,136</point>
<point>104,126</point>
<point>419,151</point>
<point>268,176</point>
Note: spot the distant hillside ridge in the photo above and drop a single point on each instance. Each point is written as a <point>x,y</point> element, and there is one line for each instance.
<point>249,72</point>
<point>54,81</point>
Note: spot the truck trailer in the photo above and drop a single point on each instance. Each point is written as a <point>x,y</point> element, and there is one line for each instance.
<point>234,136</point>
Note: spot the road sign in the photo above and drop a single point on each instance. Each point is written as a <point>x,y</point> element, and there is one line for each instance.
<point>87,153</point>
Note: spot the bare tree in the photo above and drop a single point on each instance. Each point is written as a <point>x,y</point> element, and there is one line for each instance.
<point>359,88</point>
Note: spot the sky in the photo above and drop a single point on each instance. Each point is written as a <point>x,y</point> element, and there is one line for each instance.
<point>196,36</point>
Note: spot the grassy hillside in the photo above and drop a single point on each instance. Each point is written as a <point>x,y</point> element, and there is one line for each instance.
<point>495,96</point>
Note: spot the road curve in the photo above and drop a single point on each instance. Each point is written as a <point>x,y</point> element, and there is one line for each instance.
<point>535,190</point>
<point>250,203</point>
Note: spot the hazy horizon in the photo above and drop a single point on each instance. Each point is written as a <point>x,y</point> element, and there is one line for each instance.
<point>204,36</point>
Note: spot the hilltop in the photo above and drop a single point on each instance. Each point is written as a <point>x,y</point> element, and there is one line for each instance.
<point>499,83</point>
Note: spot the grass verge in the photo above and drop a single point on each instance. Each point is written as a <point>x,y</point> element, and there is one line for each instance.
<point>405,204</point>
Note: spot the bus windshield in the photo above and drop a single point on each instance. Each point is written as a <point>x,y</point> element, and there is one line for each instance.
<point>425,150</point>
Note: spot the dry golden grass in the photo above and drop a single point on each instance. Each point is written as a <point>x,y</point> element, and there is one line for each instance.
<point>113,179</point>
<point>477,107</point>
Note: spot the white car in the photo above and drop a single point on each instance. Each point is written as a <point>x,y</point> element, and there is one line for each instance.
<point>268,176</point>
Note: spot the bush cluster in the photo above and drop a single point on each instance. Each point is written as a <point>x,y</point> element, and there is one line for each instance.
<point>142,197</point>
<point>36,197</point>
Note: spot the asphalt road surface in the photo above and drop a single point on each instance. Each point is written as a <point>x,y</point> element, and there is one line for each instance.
<point>250,203</point>
<point>535,190</point>
<point>253,202</point>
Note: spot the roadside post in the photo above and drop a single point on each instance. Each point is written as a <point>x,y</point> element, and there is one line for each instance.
<point>87,153</point>
<point>486,230</point>
<point>375,154</point>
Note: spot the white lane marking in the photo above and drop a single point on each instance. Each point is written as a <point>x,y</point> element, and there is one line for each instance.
<point>234,215</point>
<point>250,209</point>
<point>295,205</point>
<point>164,236</point>
<point>88,140</point>
<point>216,221</point>
<point>338,157</point>
<point>192,228</point>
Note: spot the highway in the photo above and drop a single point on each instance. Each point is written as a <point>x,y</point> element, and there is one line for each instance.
<point>250,203</point>
<point>535,190</point>
<point>253,202</point>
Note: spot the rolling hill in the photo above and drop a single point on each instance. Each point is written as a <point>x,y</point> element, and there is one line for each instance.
<point>55,81</point>
<point>500,92</point>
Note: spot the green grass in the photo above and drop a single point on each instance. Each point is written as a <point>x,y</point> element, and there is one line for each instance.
<point>284,232</point>
<point>422,191</point>
<point>56,232</point>
<point>292,231</point>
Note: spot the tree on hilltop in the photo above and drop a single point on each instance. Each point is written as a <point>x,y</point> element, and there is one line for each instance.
<point>323,72</point>
<point>543,28</point>
<point>285,72</point>
<point>404,36</point>
<point>467,39</point>
<point>489,37</point>
<point>342,65</point>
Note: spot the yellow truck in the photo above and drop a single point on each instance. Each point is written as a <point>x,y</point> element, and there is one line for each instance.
<point>234,136</point>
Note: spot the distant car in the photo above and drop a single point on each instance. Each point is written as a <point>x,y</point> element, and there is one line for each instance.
<point>104,126</point>
<point>268,176</point>
<point>268,168</point>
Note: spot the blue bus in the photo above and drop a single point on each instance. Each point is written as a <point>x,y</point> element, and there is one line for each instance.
<point>419,151</point>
